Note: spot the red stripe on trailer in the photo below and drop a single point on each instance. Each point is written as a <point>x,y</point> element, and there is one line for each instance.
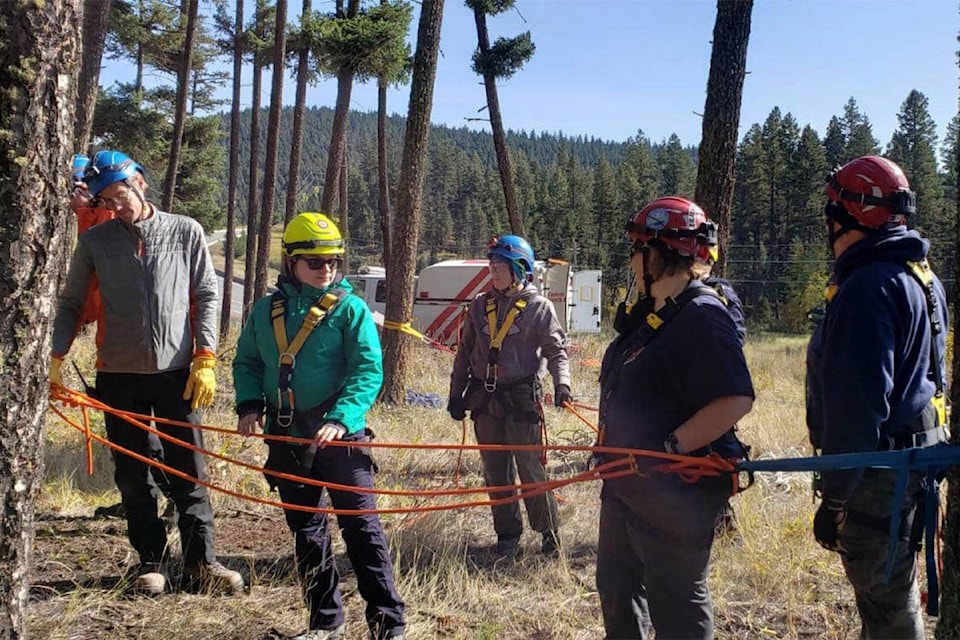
<point>464,294</point>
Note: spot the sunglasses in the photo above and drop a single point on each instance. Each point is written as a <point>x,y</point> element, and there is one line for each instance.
<point>316,264</point>
<point>637,247</point>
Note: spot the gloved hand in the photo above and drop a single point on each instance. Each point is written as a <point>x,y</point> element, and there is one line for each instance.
<point>827,524</point>
<point>561,394</point>
<point>202,382</point>
<point>456,407</point>
<point>55,376</point>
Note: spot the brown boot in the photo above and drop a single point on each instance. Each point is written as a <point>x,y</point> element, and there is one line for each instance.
<point>150,580</point>
<point>212,577</point>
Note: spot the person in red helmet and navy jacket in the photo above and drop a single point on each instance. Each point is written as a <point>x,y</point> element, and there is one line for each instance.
<point>875,372</point>
<point>674,380</point>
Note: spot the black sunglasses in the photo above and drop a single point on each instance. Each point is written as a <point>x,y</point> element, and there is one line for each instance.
<point>319,263</point>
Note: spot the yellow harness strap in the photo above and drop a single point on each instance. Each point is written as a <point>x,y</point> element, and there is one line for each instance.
<point>924,275</point>
<point>288,352</point>
<point>497,336</point>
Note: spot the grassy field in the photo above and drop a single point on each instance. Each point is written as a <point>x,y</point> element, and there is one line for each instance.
<point>770,580</point>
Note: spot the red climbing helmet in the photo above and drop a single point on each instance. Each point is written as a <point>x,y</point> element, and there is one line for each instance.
<point>872,189</point>
<point>680,224</point>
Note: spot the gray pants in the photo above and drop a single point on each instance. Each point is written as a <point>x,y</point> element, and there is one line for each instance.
<point>501,468</point>
<point>651,568</point>
<point>888,611</point>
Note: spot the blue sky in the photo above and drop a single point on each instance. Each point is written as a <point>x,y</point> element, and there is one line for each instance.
<point>606,68</point>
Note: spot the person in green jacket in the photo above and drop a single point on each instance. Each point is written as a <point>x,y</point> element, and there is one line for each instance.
<point>308,364</point>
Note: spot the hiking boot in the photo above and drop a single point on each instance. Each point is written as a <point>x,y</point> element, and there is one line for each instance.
<point>396,633</point>
<point>507,548</point>
<point>213,577</point>
<point>550,546</point>
<point>324,634</point>
<point>150,580</point>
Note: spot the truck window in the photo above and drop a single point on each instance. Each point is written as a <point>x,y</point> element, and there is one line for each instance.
<point>381,295</point>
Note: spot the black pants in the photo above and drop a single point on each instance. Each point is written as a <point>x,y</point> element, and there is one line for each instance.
<point>159,394</point>
<point>362,534</point>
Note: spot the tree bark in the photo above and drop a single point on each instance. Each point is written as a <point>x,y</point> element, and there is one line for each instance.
<point>400,271</point>
<point>345,211</point>
<point>192,8</point>
<point>94,33</point>
<point>496,124</point>
<point>341,121</point>
<point>233,178</point>
<point>253,190</point>
<point>383,185</point>
<point>721,117</point>
<point>273,149</point>
<point>39,60</point>
<point>948,624</point>
<point>299,107</point>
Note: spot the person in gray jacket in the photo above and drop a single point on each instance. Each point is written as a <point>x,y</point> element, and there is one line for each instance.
<point>156,342</point>
<point>507,334</point>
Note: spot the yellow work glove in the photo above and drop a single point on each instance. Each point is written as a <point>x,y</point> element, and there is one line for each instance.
<point>55,377</point>
<point>202,382</point>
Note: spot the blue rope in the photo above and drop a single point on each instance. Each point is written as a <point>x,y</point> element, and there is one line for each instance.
<point>931,461</point>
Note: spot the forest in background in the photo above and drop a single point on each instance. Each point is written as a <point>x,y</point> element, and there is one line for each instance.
<point>573,192</point>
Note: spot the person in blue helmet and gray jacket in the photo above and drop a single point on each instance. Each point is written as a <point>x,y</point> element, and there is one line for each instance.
<point>156,351</point>
<point>309,365</point>
<point>507,335</point>
<point>875,382</point>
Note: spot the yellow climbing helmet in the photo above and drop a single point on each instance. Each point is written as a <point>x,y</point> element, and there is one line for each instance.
<point>312,234</point>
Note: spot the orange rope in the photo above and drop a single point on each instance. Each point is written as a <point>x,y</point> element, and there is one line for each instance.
<point>570,407</point>
<point>690,469</point>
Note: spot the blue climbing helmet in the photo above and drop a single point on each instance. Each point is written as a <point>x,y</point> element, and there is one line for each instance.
<point>514,250</point>
<point>108,167</point>
<point>78,166</point>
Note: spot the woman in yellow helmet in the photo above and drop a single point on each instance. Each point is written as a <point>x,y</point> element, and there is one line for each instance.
<point>309,365</point>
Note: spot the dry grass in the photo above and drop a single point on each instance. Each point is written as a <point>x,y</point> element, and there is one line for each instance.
<point>770,581</point>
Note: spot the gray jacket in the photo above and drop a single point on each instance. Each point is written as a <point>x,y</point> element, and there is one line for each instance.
<point>159,292</point>
<point>535,335</point>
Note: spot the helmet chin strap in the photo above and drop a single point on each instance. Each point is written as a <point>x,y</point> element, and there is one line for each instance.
<point>647,276</point>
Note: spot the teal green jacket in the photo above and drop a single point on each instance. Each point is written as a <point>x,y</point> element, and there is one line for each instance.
<point>343,352</point>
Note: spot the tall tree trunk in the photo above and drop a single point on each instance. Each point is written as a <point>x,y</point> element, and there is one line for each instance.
<point>948,625</point>
<point>338,139</point>
<point>253,191</point>
<point>94,33</point>
<point>345,212</point>
<point>496,123</point>
<point>299,107</point>
<point>721,117</point>
<point>273,149</point>
<point>192,8</point>
<point>38,61</point>
<point>341,121</point>
<point>383,185</point>
<point>234,177</point>
<point>400,270</point>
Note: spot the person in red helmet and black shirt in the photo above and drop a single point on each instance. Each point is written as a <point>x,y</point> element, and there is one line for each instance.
<point>674,380</point>
<point>875,371</point>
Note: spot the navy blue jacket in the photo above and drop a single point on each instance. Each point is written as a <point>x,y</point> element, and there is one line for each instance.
<point>869,357</point>
<point>649,390</point>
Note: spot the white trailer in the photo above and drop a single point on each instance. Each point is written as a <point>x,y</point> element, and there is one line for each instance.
<point>445,289</point>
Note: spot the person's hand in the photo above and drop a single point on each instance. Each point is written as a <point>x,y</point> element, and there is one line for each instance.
<point>561,395</point>
<point>247,424</point>
<point>56,378</point>
<point>202,382</point>
<point>457,409</point>
<point>329,431</point>
<point>828,523</point>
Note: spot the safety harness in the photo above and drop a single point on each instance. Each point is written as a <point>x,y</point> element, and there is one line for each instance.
<point>497,336</point>
<point>286,405</point>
